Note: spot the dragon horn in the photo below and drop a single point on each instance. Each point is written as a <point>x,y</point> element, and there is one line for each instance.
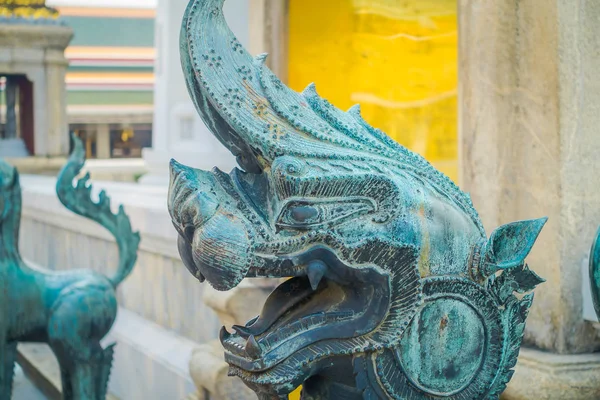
<point>259,119</point>
<point>253,113</point>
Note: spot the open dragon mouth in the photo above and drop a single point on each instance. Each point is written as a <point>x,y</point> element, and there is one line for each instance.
<point>325,297</point>
<point>325,301</point>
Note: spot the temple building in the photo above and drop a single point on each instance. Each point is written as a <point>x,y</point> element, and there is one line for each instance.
<point>110,79</point>
<point>32,71</point>
<point>100,86</point>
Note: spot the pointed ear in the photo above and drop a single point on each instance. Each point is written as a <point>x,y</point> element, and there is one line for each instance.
<point>511,243</point>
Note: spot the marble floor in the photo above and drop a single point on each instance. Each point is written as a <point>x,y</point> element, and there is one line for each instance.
<point>23,389</point>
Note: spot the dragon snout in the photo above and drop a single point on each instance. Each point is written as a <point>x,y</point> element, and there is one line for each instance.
<point>192,201</point>
<point>213,241</point>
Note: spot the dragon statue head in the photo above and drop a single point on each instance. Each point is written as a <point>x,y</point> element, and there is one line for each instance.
<point>394,290</point>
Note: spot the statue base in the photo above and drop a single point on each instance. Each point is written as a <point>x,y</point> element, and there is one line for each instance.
<point>541,375</point>
<point>209,371</point>
<point>13,148</point>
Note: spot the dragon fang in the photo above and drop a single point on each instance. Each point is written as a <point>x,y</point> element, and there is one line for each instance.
<point>395,292</point>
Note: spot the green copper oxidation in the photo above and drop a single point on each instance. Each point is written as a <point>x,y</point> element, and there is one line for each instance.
<point>71,310</point>
<point>395,292</point>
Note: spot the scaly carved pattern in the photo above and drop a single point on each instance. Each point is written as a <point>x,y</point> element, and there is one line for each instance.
<point>395,292</point>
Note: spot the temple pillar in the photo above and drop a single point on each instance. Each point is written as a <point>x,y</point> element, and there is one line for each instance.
<point>103,141</point>
<point>57,130</point>
<point>178,132</point>
<point>11,143</point>
<point>529,101</point>
<point>32,43</point>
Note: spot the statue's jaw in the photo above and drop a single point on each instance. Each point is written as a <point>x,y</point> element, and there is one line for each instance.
<point>327,300</point>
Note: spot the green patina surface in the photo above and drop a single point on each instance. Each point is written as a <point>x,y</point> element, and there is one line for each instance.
<point>70,310</point>
<point>394,291</point>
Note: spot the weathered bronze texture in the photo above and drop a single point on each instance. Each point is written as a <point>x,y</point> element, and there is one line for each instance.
<point>395,290</point>
<point>71,310</point>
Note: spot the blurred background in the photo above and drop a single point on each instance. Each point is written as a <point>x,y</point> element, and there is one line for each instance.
<point>502,96</point>
<point>397,59</point>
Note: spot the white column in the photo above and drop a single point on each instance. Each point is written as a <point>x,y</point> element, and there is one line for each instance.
<point>103,141</point>
<point>178,131</point>
<point>529,148</point>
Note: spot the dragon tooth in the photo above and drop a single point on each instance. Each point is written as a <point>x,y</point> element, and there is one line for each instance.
<point>316,271</point>
<point>253,349</point>
<point>224,335</point>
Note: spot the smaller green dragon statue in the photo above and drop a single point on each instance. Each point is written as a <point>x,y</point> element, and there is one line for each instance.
<point>72,310</point>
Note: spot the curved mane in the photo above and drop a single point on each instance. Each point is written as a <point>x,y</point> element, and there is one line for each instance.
<point>259,118</point>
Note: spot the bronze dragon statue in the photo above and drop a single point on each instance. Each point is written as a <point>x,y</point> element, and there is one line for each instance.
<point>394,290</point>
<point>71,310</point>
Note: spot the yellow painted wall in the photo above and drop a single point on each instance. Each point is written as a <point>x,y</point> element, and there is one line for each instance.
<point>398,59</point>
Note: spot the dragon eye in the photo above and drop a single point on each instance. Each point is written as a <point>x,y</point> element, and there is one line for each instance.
<point>304,214</point>
<point>315,213</point>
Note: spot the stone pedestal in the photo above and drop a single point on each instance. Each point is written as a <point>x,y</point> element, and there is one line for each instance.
<point>178,131</point>
<point>209,372</point>
<point>207,367</point>
<point>540,375</point>
<point>529,144</point>
<point>36,49</point>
